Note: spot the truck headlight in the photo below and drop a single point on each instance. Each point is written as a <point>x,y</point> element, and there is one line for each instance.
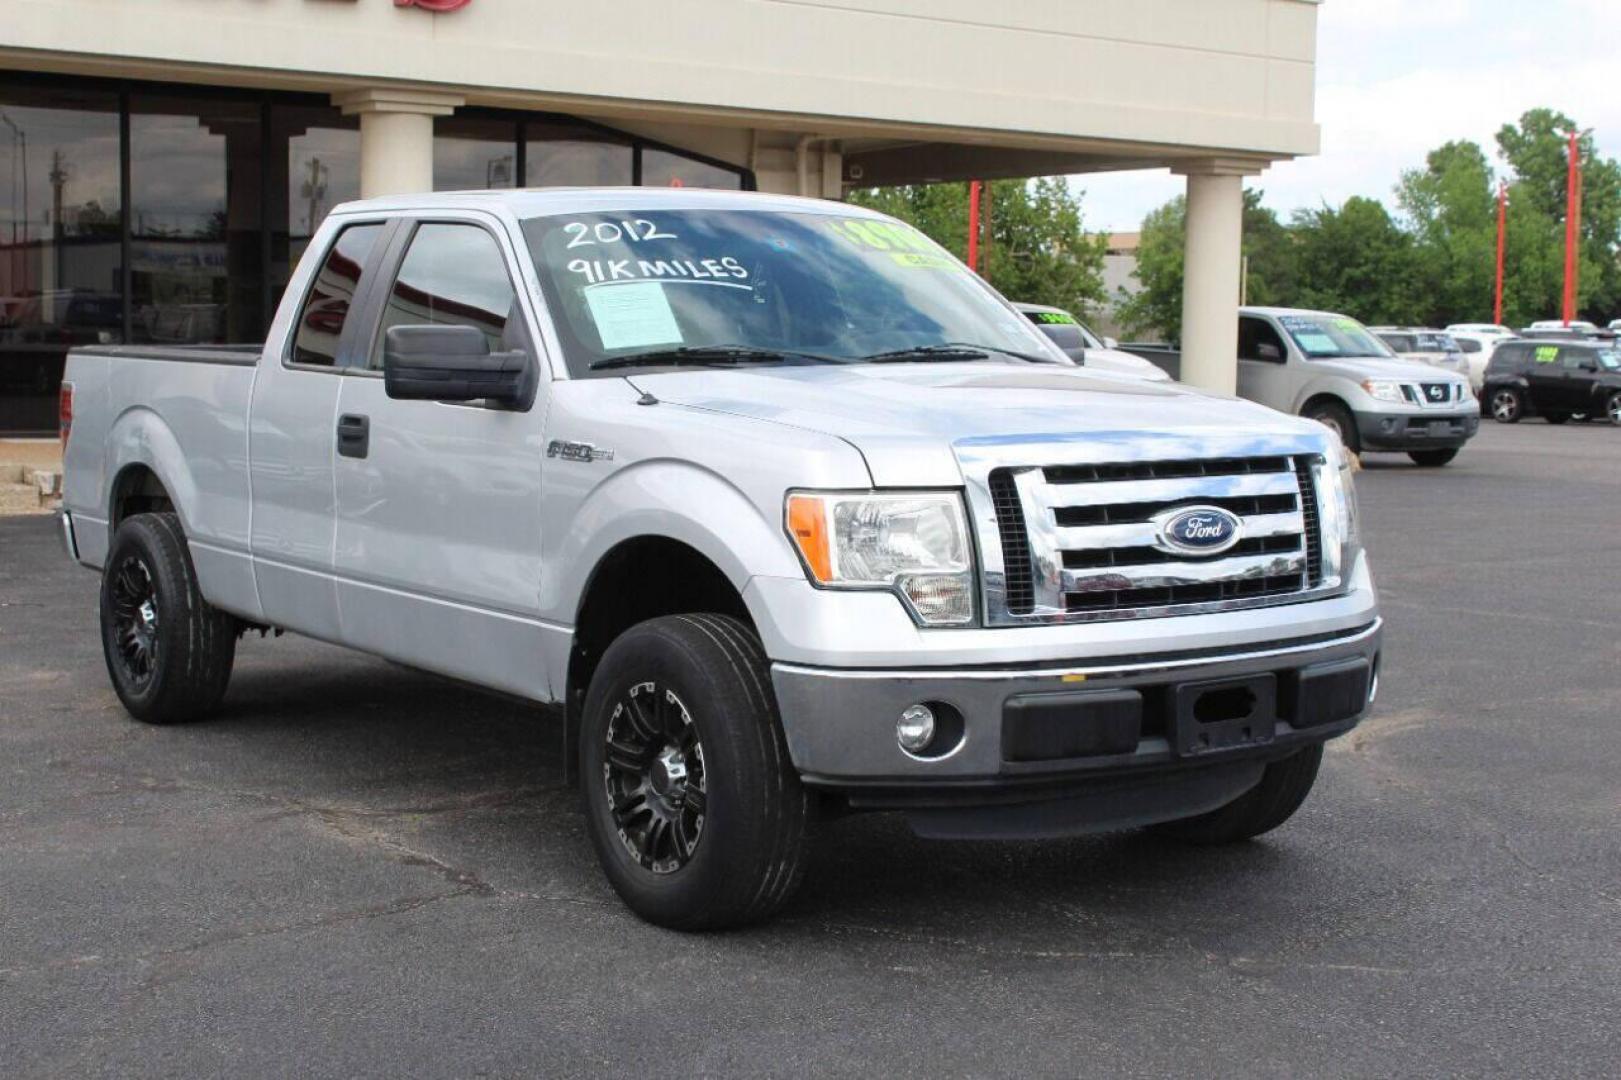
<point>913,543</point>
<point>1336,497</point>
<point>1383,390</point>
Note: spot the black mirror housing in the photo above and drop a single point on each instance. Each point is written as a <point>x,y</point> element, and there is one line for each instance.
<point>452,362</point>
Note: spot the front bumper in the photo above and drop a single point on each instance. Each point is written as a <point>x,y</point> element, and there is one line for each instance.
<point>1417,431</point>
<point>1099,772</point>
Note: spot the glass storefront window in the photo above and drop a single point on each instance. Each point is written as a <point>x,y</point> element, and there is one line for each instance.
<point>471,153</point>
<point>196,248</point>
<point>60,274</point>
<point>315,165</point>
<point>571,155</point>
<point>661,168</point>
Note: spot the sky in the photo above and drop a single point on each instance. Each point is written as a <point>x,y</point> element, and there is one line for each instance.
<point>1397,78</point>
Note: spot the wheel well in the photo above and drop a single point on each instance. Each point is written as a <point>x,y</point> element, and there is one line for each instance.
<point>638,580</point>
<point>137,490</point>
<point>1324,399</point>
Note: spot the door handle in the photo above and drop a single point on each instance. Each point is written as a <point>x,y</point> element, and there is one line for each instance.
<point>354,435</point>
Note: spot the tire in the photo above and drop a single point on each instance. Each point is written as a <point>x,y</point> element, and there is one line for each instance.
<point>1432,459</point>
<point>1283,787</point>
<point>1556,417</point>
<point>687,702</point>
<point>1612,408</point>
<point>168,651</point>
<point>1339,420</point>
<point>1508,405</point>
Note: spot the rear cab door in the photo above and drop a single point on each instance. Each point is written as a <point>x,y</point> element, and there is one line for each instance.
<point>291,449</point>
<point>437,544</point>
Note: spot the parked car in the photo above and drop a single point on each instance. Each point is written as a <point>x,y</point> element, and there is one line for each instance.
<point>1425,346</point>
<point>1494,330</point>
<point>1477,353</point>
<point>1084,347</point>
<point>1556,380</point>
<point>1578,325</point>
<point>784,507</point>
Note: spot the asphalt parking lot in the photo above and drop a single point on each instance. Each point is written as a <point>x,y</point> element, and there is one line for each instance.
<point>360,870</point>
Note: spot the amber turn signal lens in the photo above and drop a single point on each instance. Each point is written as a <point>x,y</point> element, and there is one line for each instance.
<point>807,523</point>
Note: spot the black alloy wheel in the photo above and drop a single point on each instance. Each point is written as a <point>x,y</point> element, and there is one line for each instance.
<point>134,602</point>
<point>653,772</point>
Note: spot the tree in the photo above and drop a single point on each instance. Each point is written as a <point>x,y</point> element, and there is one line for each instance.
<point>1268,251</point>
<point>1451,211</point>
<point>1037,250</point>
<point>1356,260</point>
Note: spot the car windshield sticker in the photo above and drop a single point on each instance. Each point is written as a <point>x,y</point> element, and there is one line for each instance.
<point>1054,318</point>
<point>1547,354</point>
<point>903,244</point>
<point>632,315</point>
<point>1316,343</point>
<point>1347,324</point>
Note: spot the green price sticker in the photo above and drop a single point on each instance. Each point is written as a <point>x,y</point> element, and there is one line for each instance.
<point>915,261</point>
<point>1547,354</point>
<point>1055,318</point>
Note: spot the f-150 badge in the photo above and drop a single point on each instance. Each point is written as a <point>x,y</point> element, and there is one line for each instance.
<point>577,451</point>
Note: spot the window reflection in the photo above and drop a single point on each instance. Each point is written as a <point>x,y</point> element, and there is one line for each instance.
<point>59,243</point>
<point>315,163</point>
<point>570,155</point>
<point>661,168</point>
<point>452,275</point>
<point>471,153</point>
<point>195,209</point>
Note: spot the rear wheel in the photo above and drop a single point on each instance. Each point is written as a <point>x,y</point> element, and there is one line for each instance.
<point>1337,418</point>
<point>1507,406</point>
<point>692,804</point>
<point>1283,788</point>
<point>1432,459</point>
<point>168,651</point>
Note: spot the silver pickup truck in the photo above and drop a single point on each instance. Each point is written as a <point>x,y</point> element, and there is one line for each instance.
<point>789,512</point>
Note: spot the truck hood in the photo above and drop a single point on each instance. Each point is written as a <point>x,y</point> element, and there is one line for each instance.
<point>906,419</point>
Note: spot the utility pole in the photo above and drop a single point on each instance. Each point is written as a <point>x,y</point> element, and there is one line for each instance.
<point>1502,244</point>
<point>1573,224</point>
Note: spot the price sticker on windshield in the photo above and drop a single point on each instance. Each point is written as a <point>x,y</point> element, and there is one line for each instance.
<point>1547,354</point>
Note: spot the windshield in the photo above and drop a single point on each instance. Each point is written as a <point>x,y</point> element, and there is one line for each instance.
<point>1332,337</point>
<point>1609,359</point>
<point>810,288</point>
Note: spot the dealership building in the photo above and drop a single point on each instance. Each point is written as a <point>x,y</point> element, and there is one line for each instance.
<point>166,161</point>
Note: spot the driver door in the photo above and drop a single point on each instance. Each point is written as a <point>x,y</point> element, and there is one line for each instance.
<point>438,540</point>
<point>1263,373</point>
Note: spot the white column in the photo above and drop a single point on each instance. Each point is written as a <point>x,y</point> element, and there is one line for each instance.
<point>1211,271</point>
<point>396,136</point>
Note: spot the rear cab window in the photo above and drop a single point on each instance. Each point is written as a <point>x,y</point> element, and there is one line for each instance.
<point>326,306</point>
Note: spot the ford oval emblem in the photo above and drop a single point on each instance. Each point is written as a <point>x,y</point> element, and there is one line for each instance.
<point>1199,530</point>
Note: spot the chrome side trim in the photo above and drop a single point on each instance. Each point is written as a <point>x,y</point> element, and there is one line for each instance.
<point>1093,671</point>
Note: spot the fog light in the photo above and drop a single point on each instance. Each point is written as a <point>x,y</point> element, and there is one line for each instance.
<point>915,729</point>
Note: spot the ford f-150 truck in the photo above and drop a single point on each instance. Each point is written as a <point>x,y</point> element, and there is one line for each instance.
<point>790,512</point>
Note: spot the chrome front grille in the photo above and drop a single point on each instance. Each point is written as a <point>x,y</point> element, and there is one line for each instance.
<point>1082,540</point>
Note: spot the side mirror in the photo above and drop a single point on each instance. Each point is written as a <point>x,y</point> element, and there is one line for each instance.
<point>1111,343</point>
<point>1268,351</point>
<point>450,362</point>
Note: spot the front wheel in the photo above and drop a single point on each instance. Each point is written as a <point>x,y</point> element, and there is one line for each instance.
<point>1612,408</point>
<point>1507,406</point>
<point>692,804</point>
<point>1432,459</point>
<point>1337,418</point>
<point>168,651</point>
<point>1283,787</point>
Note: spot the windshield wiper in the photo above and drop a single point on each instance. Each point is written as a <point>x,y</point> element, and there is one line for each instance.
<point>709,356</point>
<point>951,350</point>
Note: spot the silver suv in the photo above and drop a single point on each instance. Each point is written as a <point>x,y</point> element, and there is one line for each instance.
<point>1332,369</point>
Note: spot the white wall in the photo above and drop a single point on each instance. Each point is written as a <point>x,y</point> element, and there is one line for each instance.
<point>1233,75</point>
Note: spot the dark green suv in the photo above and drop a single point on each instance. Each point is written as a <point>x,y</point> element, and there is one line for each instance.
<point>1556,380</point>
